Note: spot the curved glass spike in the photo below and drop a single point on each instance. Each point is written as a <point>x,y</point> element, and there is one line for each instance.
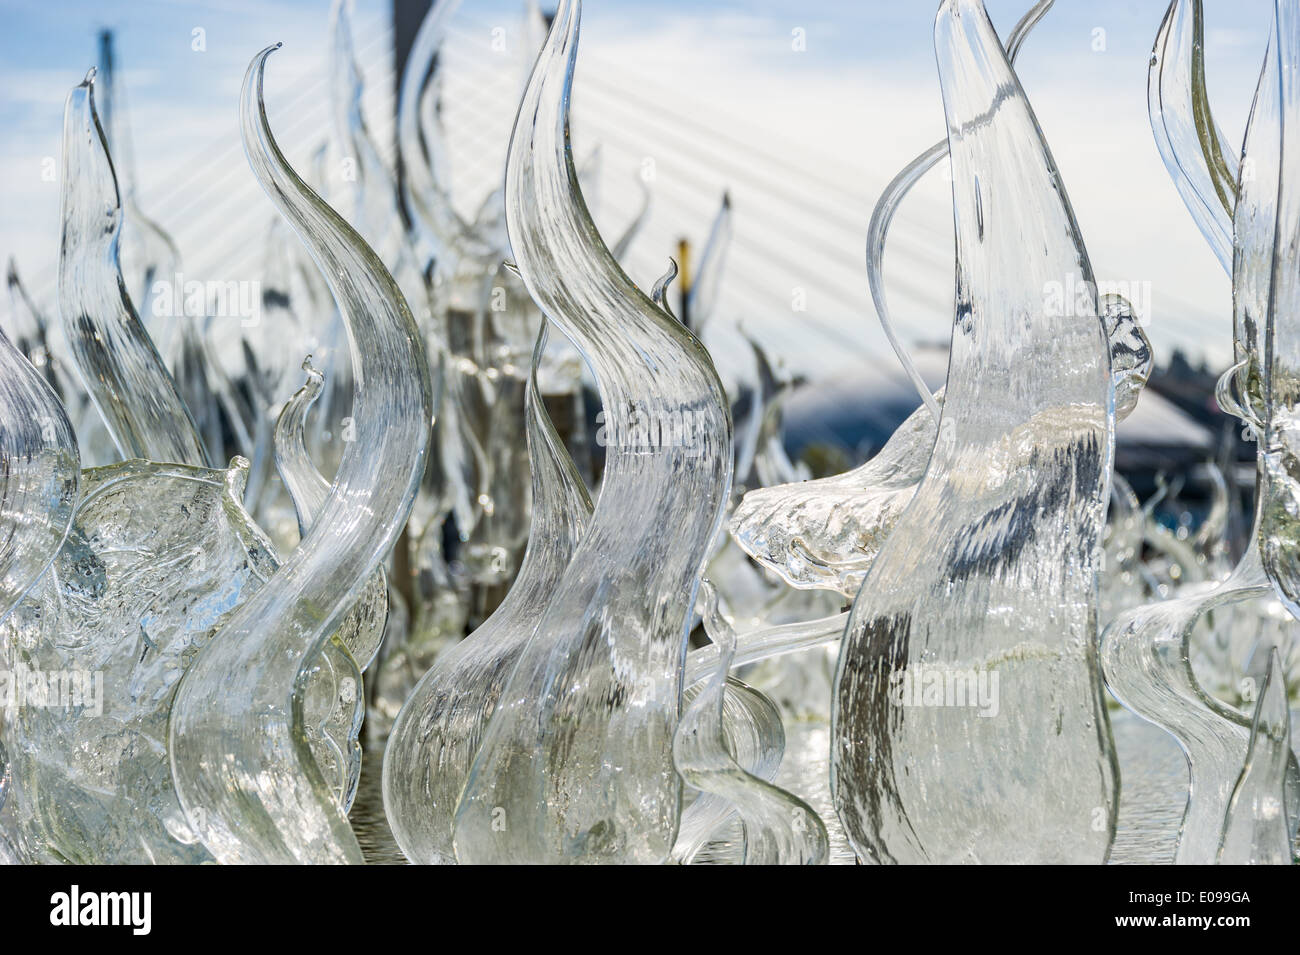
<point>362,630</point>
<point>40,474</point>
<point>126,379</point>
<point>307,487</point>
<point>1209,539</point>
<point>825,533</point>
<point>297,301</point>
<point>989,580</point>
<point>27,324</point>
<point>1255,828</point>
<point>283,316</point>
<point>578,755</point>
<point>1255,238</point>
<point>779,828</point>
<point>440,728</point>
<point>887,205</point>
<point>702,296</point>
<point>1197,154</point>
<point>236,744</point>
<point>748,407</point>
<point>375,214</point>
<point>659,293</point>
<point>1266,265</point>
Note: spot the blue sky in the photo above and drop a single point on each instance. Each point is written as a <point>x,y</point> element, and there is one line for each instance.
<point>833,122</point>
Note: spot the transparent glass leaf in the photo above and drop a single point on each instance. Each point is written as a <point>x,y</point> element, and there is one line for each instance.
<point>1198,156</point>
<point>123,373</point>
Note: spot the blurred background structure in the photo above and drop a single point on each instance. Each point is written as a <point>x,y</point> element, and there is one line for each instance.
<point>799,112</point>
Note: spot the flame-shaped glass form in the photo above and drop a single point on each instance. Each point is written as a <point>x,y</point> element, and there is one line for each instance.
<point>375,214</point>
<point>989,581</point>
<point>577,759</point>
<point>892,197</point>
<point>1146,652</point>
<point>1255,828</point>
<point>772,464</point>
<point>239,754</point>
<point>127,381</point>
<point>442,236</point>
<point>702,296</point>
<point>439,730</point>
<point>148,254</point>
<point>826,533</point>
<point>483,317</point>
<point>1198,156</point>
<point>778,827</point>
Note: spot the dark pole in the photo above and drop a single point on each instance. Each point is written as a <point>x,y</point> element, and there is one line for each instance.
<point>407,17</point>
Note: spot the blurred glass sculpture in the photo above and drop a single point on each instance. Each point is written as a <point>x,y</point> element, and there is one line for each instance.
<point>1147,652</point>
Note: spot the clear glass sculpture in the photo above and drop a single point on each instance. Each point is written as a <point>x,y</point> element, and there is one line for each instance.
<point>1146,652</point>
<point>990,576</point>
<point>438,732</point>
<point>127,380</point>
<point>239,756</point>
<point>576,763</point>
